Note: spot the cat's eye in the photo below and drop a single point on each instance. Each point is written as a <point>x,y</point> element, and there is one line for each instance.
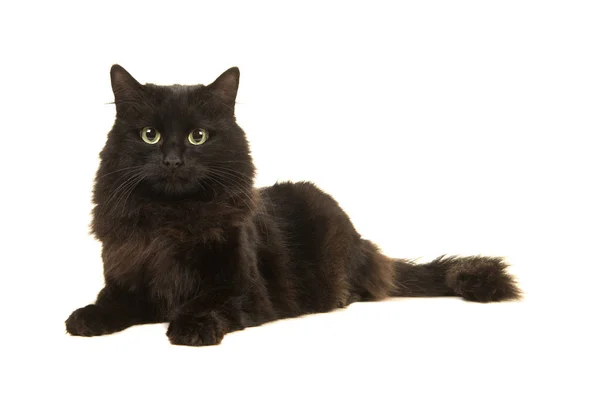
<point>198,136</point>
<point>150,135</point>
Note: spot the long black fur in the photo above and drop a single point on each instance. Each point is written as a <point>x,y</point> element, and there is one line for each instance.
<point>188,240</point>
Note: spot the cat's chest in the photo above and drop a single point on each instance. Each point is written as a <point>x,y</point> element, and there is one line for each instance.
<point>169,253</point>
<point>181,224</point>
<point>165,267</point>
<point>149,253</point>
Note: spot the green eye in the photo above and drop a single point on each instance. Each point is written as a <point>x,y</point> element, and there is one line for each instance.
<point>150,135</point>
<point>198,136</point>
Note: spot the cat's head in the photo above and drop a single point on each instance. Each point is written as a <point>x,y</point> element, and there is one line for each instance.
<point>177,140</point>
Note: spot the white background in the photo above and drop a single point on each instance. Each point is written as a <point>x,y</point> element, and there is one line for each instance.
<point>463,127</point>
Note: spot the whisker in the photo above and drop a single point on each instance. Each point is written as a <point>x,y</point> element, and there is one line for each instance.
<point>119,170</point>
<point>131,189</point>
<point>116,193</point>
<point>244,194</point>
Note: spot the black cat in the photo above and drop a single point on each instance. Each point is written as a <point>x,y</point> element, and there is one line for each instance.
<point>188,240</point>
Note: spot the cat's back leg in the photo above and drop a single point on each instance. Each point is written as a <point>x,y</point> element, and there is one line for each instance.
<point>320,241</point>
<point>370,273</point>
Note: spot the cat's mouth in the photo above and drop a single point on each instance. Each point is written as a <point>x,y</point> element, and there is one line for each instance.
<point>182,181</point>
<point>175,173</point>
<point>175,182</point>
<point>176,179</point>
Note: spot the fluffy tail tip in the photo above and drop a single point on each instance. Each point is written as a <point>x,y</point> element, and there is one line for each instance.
<point>481,279</point>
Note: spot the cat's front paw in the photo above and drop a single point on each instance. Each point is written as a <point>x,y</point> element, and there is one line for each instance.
<point>203,330</point>
<point>89,321</point>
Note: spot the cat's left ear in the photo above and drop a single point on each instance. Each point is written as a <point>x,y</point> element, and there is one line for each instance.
<point>225,87</point>
<point>125,88</point>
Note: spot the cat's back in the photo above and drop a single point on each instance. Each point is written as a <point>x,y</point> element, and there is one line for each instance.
<point>299,201</point>
<point>311,221</point>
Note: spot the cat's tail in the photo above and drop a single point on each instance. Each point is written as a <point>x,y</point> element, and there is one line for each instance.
<point>477,278</point>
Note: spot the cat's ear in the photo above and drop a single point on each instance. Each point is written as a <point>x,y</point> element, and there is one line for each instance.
<point>225,87</point>
<point>125,88</point>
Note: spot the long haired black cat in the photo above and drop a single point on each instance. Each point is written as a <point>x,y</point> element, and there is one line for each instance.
<point>188,240</point>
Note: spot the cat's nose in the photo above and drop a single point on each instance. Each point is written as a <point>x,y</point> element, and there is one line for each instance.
<point>172,161</point>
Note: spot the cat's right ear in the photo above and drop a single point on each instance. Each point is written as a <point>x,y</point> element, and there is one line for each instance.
<point>125,88</point>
